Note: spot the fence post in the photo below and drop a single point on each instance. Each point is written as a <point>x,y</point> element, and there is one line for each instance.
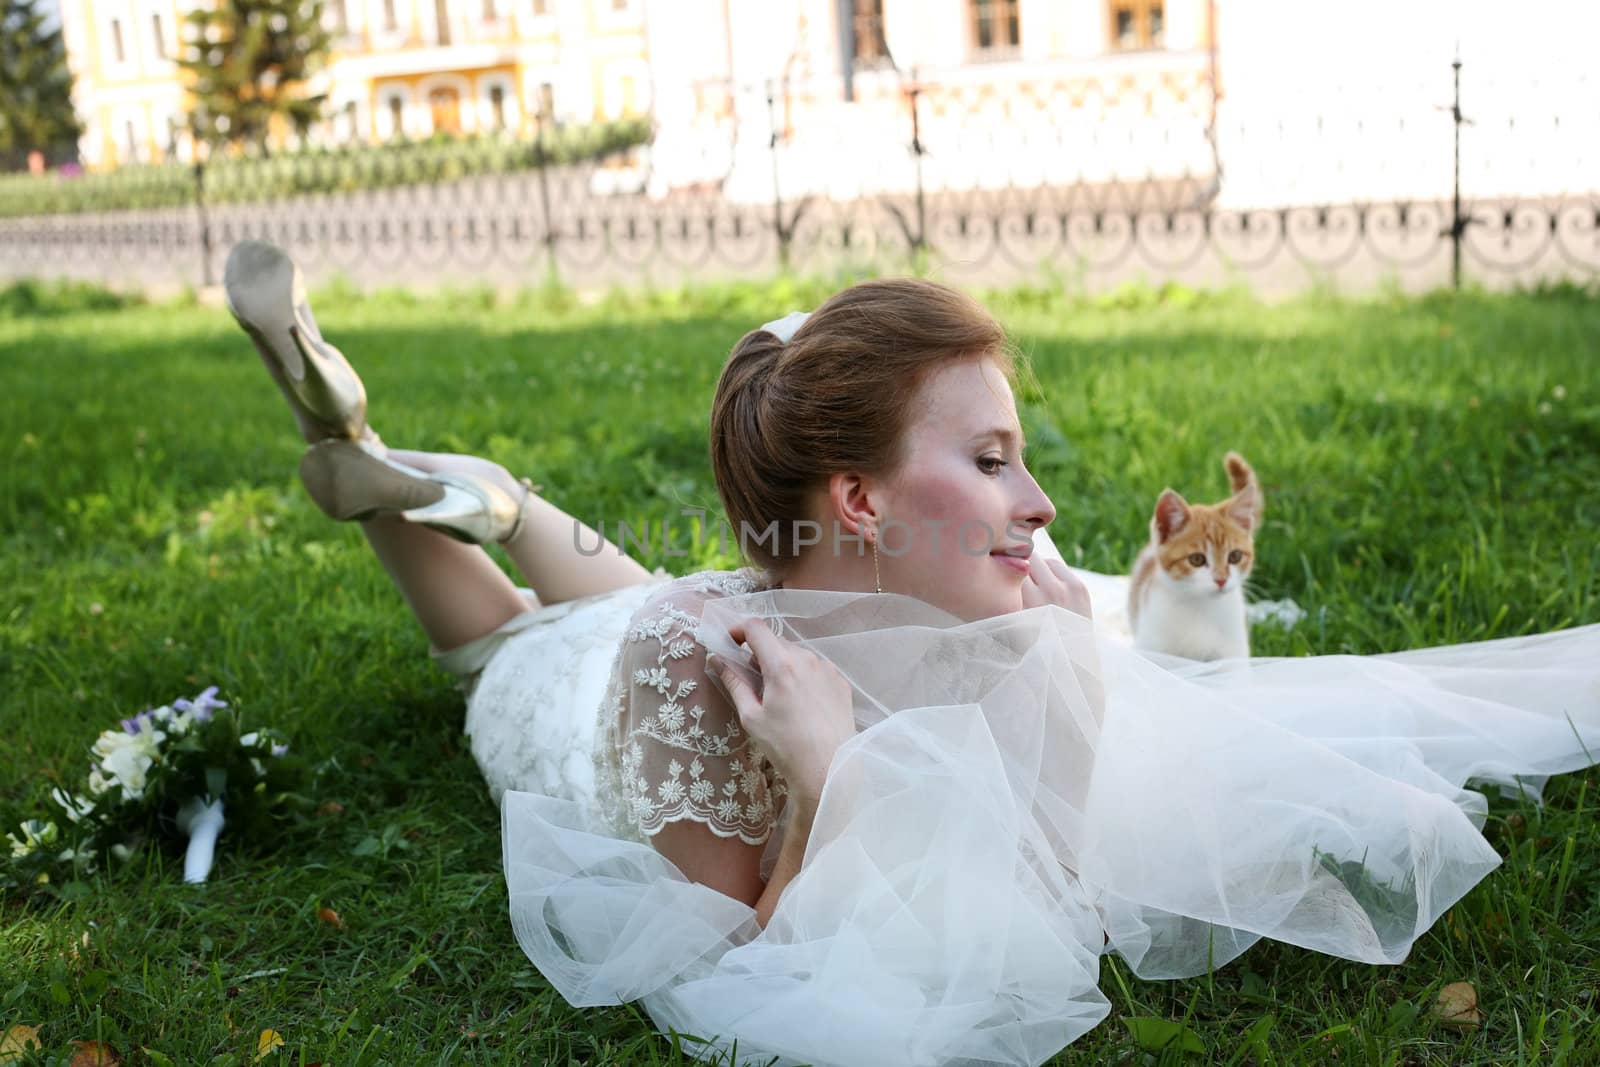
<point>204,219</point>
<point>920,241</point>
<point>541,161</point>
<point>777,191</point>
<point>1458,224</point>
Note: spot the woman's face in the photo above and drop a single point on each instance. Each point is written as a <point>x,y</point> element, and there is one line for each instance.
<point>956,518</point>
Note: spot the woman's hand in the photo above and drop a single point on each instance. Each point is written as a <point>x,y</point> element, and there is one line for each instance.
<point>803,713</point>
<point>1049,581</point>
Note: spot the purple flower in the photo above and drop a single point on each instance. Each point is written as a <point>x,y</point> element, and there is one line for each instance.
<point>138,722</point>
<point>202,706</point>
<point>280,750</point>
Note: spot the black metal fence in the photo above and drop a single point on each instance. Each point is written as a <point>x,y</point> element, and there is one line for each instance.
<point>1154,179</point>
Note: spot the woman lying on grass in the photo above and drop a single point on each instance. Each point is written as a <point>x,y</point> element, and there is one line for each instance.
<point>887,795</point>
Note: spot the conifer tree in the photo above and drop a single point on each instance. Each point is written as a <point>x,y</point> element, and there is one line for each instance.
<point>36,110</point>
<point>249,61</point>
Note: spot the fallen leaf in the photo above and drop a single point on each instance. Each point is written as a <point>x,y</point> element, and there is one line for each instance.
<point>331,917</point>
<point>93,1054</point>
<point>332,807</point>
<point>1153,1034</point>
<point>14,1043</point>
<point>269,1042</point>
<point>1457,1005</point>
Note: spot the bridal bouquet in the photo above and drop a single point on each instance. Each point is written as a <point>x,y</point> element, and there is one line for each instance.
<point>180,770</point>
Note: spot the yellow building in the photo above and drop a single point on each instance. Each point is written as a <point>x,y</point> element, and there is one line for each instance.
<point>397,68</point>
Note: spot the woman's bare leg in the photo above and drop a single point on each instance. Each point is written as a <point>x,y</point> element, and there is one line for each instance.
<point>455,590</point>
<point>546,548</point>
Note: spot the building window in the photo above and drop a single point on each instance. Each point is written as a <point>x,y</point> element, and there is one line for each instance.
<point>132,136</point>
<point>547,103</point>
<point>996,25</point>
<point>1137,24</point>
<point>352,127</point>
<point>341,17</point>
<point>160,38</point>
<point>489,13</point>
<point>541,8</point>
<point>397,117</point>
<point>621,5</point>
<point>871,48</point>
<point>441,18</point>
<point>445,107</point>
<point>391,21</point>
<point>497,105</point>
<point>117,50</point>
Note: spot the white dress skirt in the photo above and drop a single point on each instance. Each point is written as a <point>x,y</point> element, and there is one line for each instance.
<point>1024,793</point>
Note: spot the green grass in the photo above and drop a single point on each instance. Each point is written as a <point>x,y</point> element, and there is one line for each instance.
<point>1430,468</point>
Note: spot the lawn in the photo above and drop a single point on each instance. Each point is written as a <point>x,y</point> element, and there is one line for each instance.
<point>1430,469</point>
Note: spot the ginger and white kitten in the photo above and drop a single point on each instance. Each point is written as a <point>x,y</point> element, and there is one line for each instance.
<point>1187,594</point>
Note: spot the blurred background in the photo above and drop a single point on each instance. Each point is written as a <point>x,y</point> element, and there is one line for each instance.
<point>1278,145</point>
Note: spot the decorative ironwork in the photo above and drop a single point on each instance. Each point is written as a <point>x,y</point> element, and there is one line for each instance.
<point>1147,178</point>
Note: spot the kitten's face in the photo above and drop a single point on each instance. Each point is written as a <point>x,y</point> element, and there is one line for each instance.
<point>1207,549</point>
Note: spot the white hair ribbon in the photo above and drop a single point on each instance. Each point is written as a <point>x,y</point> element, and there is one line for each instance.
<point>784,328</point>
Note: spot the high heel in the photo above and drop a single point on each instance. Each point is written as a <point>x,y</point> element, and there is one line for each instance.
<point>267,297</point>
<point>472,509</point>
<point>351,482</point>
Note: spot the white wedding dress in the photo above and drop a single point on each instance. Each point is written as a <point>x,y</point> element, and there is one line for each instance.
<point>1023,794</point>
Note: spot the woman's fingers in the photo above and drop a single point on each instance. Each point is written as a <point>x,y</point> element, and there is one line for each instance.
<point>1052,582</point>
<point>745,701</point>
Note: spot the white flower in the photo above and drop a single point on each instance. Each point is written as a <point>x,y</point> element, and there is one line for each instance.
<point>36,834</point>
<point>125,759</point>
<point>97,782</point>
<point>75,807</point>
<point>121,853</point>
<point>249,739</point>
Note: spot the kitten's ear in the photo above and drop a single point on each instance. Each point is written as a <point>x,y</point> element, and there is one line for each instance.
<point>1172,515</point>
<point>1239,472</point>
<point>1244,508</point>
<point>1246,505</point>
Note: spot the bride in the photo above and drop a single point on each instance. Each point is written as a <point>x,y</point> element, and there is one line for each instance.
<point>888,794</point>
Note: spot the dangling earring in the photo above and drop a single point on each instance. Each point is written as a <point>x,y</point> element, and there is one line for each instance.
<point>877,579</point>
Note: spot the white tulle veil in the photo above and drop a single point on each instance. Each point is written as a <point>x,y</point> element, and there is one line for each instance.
<point>1024,793</point>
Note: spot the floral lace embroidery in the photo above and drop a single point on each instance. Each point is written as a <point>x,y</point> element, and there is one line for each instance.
<point>669,757</point>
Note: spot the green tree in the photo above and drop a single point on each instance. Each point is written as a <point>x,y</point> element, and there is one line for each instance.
<point>250,61</point>
<point>35,83</point>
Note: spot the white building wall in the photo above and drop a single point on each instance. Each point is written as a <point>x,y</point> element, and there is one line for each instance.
<point>1379,80</point>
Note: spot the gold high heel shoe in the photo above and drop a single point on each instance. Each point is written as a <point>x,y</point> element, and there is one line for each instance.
<point>348,481</point>
<point>267,296</point>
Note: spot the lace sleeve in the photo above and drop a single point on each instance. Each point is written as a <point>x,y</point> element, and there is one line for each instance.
<point>680,751</point>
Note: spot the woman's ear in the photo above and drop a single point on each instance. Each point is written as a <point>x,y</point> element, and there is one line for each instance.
<point>853,503</point>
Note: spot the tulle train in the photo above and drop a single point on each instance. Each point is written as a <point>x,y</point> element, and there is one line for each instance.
<point>1021,790</point>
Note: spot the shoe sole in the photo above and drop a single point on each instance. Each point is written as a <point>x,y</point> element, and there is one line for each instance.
<point>266,298</point>
<point>347,483</point>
